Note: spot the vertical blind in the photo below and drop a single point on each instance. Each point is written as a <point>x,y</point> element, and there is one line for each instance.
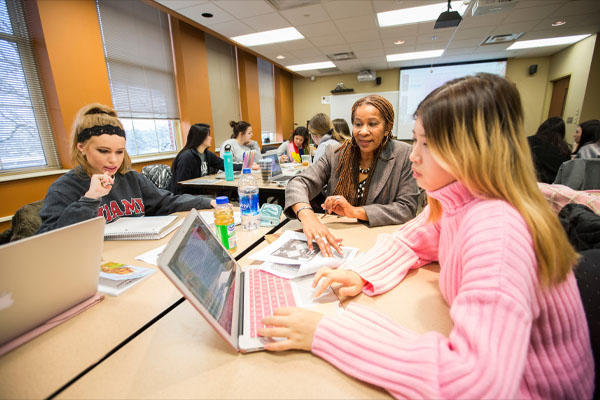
<point>266,92</point>
<point>223,82</point>
<point>26,140</point>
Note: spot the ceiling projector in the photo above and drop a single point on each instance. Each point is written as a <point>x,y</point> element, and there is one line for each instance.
<point>448,19</point>
<point>366,75</point>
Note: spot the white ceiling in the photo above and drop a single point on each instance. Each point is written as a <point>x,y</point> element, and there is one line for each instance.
<point>336,26</point>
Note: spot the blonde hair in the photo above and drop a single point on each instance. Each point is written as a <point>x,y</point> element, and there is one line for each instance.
<point>321,125</point>
<point>341,127</point>
<point>473,125</point>
<point>94,114</point>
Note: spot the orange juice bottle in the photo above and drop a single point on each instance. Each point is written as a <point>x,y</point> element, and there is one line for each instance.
<point>224,223</point>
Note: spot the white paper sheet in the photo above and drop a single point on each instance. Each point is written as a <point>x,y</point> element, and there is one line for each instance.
<point>151,257</point>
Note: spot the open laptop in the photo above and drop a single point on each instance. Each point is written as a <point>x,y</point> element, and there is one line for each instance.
<point>212,281</point>
<point>45,275</point>
<point>277,174</point>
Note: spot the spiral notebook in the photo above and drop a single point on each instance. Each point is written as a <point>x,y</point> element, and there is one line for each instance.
<point>141,228</point>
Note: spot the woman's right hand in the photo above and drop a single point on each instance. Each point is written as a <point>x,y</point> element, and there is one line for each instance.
<point>283,158</point>
<point>315,230</point>
<point>100,185</point>
<point>352,283</point>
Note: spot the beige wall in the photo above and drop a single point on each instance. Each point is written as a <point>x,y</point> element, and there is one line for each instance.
<point>591,101</point>
<point>532,88</point>
<point>307,93</point>
<point>575,61</point>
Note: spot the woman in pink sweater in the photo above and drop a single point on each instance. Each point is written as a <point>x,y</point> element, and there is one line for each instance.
<point>506,269</point>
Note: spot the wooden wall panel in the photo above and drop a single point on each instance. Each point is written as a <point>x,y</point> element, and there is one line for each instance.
<point>284,104</point>
<point>249,96</point>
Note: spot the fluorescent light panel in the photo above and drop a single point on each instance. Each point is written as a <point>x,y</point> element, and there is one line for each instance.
<point>307,67</point>
<point>267,37</point>
<point>414,15</point>
<point>415,55</point>
<point>527,44</point>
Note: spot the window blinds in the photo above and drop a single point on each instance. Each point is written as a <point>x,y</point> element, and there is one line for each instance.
<point>26,140</point>
<point>139,59</point>
<point>266,92</point>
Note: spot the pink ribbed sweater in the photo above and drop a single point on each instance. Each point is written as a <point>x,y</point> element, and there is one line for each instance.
<point>510,338</point>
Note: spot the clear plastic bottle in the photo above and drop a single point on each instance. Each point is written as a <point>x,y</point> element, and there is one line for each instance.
<point>224,223</point>
<point>248,193</point>
<point>228,161</point>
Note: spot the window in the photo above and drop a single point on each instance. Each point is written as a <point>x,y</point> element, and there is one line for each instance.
<point>137,47</point>
<point>266,93</point>
<point>26,141</point>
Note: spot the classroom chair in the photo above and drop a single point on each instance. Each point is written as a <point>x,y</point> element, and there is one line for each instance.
<point>579,174</point>
<point>25,222</point>
<point>159,174</point>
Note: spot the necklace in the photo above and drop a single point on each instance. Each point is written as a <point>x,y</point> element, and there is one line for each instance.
<point>364,171</point>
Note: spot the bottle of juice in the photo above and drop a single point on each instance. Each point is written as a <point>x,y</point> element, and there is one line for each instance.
<point>224,223</point>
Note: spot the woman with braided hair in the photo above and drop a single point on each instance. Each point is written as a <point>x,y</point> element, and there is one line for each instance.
<point>368,177</point>
<point>102,182</point>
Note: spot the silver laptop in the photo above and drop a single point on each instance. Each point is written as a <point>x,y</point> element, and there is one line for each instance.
<point>277,174</point>
<point>45,275</point>
<point>229,299</point>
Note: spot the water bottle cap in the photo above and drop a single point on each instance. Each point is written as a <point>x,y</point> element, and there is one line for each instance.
<point>227,147</point>
<point>245,171</point>
<point>222,200</point>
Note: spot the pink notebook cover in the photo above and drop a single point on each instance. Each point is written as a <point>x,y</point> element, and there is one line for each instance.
<point>46,326</point>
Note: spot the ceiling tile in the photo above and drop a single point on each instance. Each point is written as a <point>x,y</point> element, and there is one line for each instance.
<point>436,38</point>
<point>229,30</point>
<point>178,4</point>
<point>338,48</point>
<point>361,36</point>
<point>473,33</point>
<point>318,29</point>
<point>365,45</point>
<point>340,9</point>
<point>305,15</point>
<point>479,21</point>
<point>398,32</point>
<point>266,22</point>
<point>369,53</point>
<point>244,8</point>
<point>294,45</point>
<point>362,23</point>
<point>577,8</point>
<point>327,40</point>
<point>195,13</point>
<point>461,44</point>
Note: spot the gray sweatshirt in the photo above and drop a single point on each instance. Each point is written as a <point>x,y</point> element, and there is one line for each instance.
<point>131,195</point>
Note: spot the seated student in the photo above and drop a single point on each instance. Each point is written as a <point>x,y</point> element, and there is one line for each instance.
<point>240,142</point>
<point>323,135</point>
<point>588,145</point>
<point>296,146</point>
<point>505,269</point>
<point>368,177</point>
<point>102,182</point>
<point>549,149</point>
<point>196,160</point>
<point>341,127</point>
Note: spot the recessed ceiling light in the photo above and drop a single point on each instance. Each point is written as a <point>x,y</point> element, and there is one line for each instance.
<point>207,15</point>
<point>399,42</point>
<point>307,67</point>
<point>266,37</point>
<point>527,44</point>
<point>280,57</point>
<point>413,15</point>
<point>415,55</point>
<point>559,23</point>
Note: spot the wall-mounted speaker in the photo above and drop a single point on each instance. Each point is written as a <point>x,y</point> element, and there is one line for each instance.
<point>532,69</point>
<point>378,81</point>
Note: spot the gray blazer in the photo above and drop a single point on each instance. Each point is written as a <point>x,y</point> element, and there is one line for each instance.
<point>392,197</point>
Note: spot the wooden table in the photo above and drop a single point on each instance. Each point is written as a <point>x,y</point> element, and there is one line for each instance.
<point>47,363</point>
<point>181,356</point>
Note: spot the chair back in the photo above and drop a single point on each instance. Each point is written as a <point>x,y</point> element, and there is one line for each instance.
<point>159,174</point>
<point>580,174</point>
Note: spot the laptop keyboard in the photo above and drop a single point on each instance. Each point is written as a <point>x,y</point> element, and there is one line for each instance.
<point>267,292</point>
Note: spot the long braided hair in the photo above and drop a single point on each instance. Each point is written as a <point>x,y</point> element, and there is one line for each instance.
<point>347,185</point>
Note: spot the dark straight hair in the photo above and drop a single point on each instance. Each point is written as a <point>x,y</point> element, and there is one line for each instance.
<point>196,136</point>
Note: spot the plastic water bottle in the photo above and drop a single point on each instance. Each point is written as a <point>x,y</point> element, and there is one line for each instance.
<point>248,193</point>
<point>225,224</point>
<point>228,161</point>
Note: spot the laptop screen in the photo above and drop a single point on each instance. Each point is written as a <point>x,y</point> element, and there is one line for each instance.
<point>207,270</point>
<point>276,166</point>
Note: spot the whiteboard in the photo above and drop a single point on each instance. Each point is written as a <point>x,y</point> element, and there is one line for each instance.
<point>341,106</point>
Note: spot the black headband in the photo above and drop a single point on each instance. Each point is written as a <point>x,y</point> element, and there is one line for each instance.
<point>100,130</point>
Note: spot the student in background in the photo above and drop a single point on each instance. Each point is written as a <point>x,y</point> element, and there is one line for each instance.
<point>505,269</point>
<point>368,177</point>
<point>296,146</point>
<point>102,182</point>
<point>240,142</point>
<point>196,160</point>
<point>549,149</point>
<point>341,127</point>
<point>589,142</point>
<point>323,135</point>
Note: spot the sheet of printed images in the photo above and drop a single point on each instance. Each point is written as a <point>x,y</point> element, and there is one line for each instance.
<point>289,257</point>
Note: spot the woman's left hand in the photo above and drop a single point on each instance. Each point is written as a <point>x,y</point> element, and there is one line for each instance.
<point>213,203</point>
<point>255,166</point>
<point>298,325</point>
<point>339,205</point>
